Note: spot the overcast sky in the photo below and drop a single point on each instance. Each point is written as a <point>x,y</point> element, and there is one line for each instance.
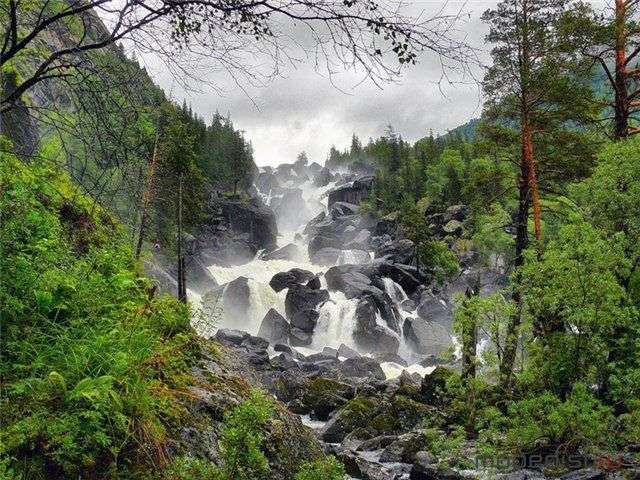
<point>305,111</point>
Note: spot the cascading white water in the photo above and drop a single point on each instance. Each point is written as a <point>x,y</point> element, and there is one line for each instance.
<point>336,323</point>
<point>337,317</point>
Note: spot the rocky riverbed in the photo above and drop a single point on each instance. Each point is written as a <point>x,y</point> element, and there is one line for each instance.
<point>322,305</point>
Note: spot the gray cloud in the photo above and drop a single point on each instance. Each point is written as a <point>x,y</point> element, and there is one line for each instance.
<point>305,110</point>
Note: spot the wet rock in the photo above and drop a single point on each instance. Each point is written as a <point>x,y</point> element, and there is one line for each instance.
<point>305,320</point>
<point>253,219</point>
<point>403,448</point>
<point>426,337</point>
<point>326,256</point>
<point>161,278</point>
<point>332,352</point>
<point>387,225</point>
<point>320,242</point>
<point>322,396</point>
<point>322,178</point>
<point>274,328</point>
<point>281,347</point>
<point>290,251</point>
<point>295,276</point>
<point>360,241</point>
<point>376,443</point>
<point>397,251</point>
<point>424,469</point>
<point>390,357</point>
<point>314,283</point>
<point>229,336</point>
<point>354,193</point>
<point>406,276</point>
<point>346,352</point>
<point>368,334</point>
<point>342,209</point>
<point>265,182</point>
<point>361,367</point>
<point>234,251</point>
<point>299,338</point>
<point>284,361</point>
<point>300,298</point>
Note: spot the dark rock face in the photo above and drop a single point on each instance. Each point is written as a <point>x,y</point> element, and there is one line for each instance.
<point>356,192</point>
<point>397,251</point>
<point>347,352</point>
<point>274,328</point>
<point>326,256</point>
<point>361,367</point>
<point>368,334</point>
<point>232,298</point>
<point>252,219</point>
<point>403,448</point>
<point>300,338</point>
<point>314,283</point>
<point>295,276</point>
<point>342,209</point>
<point>319,242</point>
<point>424,469</point>
<point>289,252</point>
<point>301,298</point>
<point>305,320</point>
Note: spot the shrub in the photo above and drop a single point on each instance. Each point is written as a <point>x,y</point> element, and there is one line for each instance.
<point>323,469</point>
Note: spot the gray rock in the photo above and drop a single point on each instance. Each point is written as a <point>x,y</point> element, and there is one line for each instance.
<point>253,219</point>
<point>356,192</point>
<point>301,297</point>
<point>346,352</point>
<point>274,328</point>
<point>230,336</point>
<point>326,256</point>
<point>290,251</point>
<point>299,338</point>
<point>305,320</point>
<point>314,283</point>
<point>368,335</point>
<point>295,276</point>
<point>405,448</point>
<point>458,212</point>
<point>361,367</point>
<point>342,209</point>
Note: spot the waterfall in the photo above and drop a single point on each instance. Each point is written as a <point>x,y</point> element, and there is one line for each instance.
<point>336,323</point>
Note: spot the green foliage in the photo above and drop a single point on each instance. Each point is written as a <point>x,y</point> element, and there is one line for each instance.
<point>242,438</point>
<point>578,424</point>
<point>323,469</point>
<point>89,358</point>
<point>575,302</point>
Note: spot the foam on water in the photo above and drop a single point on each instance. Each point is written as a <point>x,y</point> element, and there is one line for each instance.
<point>336,323</point>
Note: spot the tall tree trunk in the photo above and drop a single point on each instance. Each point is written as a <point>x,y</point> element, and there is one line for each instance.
<point>182,290</point>
<point>529,158</point>
<point>470,336</point>
<point>621,103</point>
<point>146,196</point>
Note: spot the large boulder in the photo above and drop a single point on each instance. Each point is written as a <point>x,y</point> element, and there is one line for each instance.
<point>406,276</point>
<point>231,298</point>
<point>323,177</point>
<point>426,338</point>
<point>326,256</point>
<point>353,257</point>
<point>370,335</point>
<point>354,193</point>
<point>397,251</point>
<point>319,242</point>
<point>266,182</point>
<point>295,276</point>
<point>305,320</point>
<point>253,219</point>
<point>360,241</point>
<point>342,209</point>
<point>291,252</point>
<point>361,367</point>
<point>274,328</point>
<point>301,298</point>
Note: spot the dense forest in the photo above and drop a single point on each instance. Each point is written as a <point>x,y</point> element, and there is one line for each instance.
<point>101,173</point>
